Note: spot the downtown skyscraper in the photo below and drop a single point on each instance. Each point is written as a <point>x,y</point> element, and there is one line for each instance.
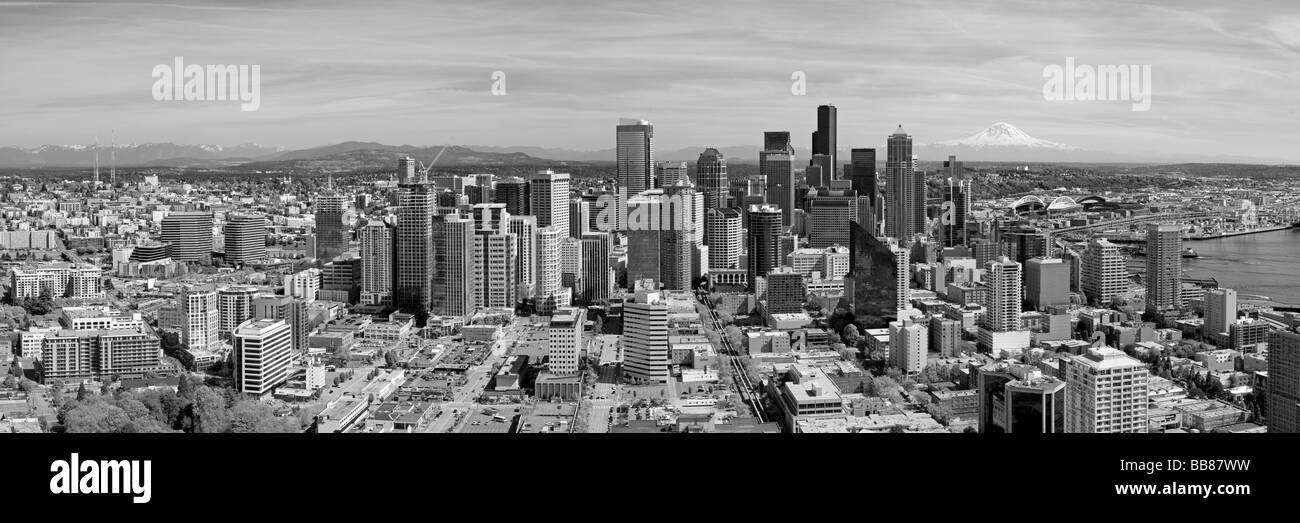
<point>1164,266</point>
<point>190,235</point>
<point>415,250</point>
<point>635,157</point>
<point>332,231</point>
<point>901,203</point>
<point>245,236</point>
<point>764,241</point>
<point>494,257</point>
<point>549,196</point>
<point>823,141</point>
<point>1103,273</point>
<point>452,289</point>
<point>378,262</point>
<point>956,203</point>
<point>711,179</point>
<point>863,180</point>
<point>776,166</point>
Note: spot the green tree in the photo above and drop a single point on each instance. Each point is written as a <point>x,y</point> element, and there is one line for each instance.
<point>210,411</point>
<point>81,392</point>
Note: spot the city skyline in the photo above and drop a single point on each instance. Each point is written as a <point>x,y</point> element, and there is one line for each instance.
<point>944,70</point>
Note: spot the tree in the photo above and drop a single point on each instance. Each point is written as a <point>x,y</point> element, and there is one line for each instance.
<point>210,411</point>
<point>390,359</point>
<point>81,392</point>
<point>254,416</point>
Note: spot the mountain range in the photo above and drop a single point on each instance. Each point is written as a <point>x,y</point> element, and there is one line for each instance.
<point>1000,142</point>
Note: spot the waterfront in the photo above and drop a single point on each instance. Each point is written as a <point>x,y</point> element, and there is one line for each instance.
<point>1263,264</point>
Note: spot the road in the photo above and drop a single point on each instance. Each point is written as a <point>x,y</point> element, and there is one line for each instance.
<point>465,397</point>
<point>744,385</point>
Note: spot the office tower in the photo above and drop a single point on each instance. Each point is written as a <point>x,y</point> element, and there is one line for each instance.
<point>597,280</point>
<point>645,338</point>
<point>235,306</point>
<point>920,196</point>
<point>378,265</point>
<point>764,229</point>
<point>1020,399</point>
<point>340,279</point>
<point>579,217</point>
<point>711,176</point>
<point>525,230</point>
<point>304,284</point>
<point>985,251</point>
<point>1074,259</point>
<point>956,204</point>
<point>862,165</point>
<point>449,201</point>
<point>332,231</point>
<point>878,280</point>
<point>944,335</point>
<point>722,232</point>
<point>571,264</point>
<point>1164,266</point>
<point>823,141</point>
<point>495,257</point>
<point>785,291</point>
<point>1106,392</point>
<point>645,258</point>
<point>190,235</point>
<point>1104,273</point>
<point>202,317</point>
<point>415,250</point>
<point>635,156</point>
<point>1220,311</point>
<point>682,221</point>
<point>908,343</point>
<point>1284,381</point>
<point>1002,302</point>
<point>900,190</point>
<point>830,211</point>
<point>565,343</point>
<point>245,238</point>
<point>550,199</point>
<point>549,278</point>
<point>292,310</point>
<point>669,173</point>
<point>406,170</point>
<point>1023,243</point>
<point>820,172</point>
<point>776,167</point>
<point>453,274</point>
<point>262,350</point>
<point>1047,282</point>
<point>514,192</point>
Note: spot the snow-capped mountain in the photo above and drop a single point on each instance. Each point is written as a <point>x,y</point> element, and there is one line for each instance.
<point>1003,134</point>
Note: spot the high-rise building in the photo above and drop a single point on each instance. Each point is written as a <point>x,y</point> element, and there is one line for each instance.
<point>332,231</point>
<point>1104,274</point>
<point>764,241</point>
<point>776,167</point>
<point>819,172</point>
<point>635,156</point>
<point>340,279</point>
<point>378,264</point>
<point>1164,266</point>
<point>525,230</point>
<point>292,310</point>
<point>669,173</point>
<point>1002,302</point>
<point>406,170</point>
<point>900,190</point>
<point>645,238</point>
<point>571,264</point>
<point>711,176</point>
<point>785,291</point>
<point>862,168</point>
<point>1220,311</point>
<point>236,307</point>
<point>514,192</point>
<point>908,343</point>
<point>190,235</point>
<point>453,275</point>
<point>550,199</point>
<point>682,222</point>
<point>944,335</point>
<point>202,317</point>
<point>303,284</point>
<point>579,217</point>
<point>1047,282</point>
<point>263,350</point>
<point>1106,392</point>
<point>565,343</point>
<point>550,282</point>
<point>956,203</point>
<point>878,282</point>
<point>830,212</point>
<point>1020,399</point>
<point>415,250</point>
<point>722,233</point>
<point>645,338</point>
<point>823,141</point>
<point>245,238</point>
<point>597,281</point>
<point>1284,381</point>
<point>495,257</point>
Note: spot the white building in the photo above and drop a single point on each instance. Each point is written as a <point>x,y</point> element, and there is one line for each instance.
<point>565,341</point>
<point>1107,392</point>
<point>262,353</point>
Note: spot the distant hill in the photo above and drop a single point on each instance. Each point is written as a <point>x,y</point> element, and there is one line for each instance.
<point>348,156</point>
<point>146,154</point>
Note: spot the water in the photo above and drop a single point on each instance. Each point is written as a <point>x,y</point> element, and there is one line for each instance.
<point>1264,264</point>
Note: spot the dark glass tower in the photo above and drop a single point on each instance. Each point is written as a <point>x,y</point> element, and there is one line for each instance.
<point>711,173</point>
<point>764,241</point>
<point>823,139</point>
<point>776,166</point>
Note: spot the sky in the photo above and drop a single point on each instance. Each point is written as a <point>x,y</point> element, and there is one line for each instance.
<point>1224,74</point>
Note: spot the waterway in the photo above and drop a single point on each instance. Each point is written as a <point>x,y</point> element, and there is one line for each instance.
<point>1266,264</point>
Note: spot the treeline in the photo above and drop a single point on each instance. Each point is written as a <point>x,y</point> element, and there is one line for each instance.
<point>193,407</point>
